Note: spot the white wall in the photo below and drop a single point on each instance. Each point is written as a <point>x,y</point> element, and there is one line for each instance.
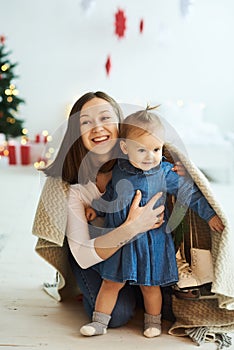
<point>61,53</point>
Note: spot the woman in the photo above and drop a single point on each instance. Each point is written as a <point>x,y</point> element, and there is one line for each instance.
<point>79,174</point>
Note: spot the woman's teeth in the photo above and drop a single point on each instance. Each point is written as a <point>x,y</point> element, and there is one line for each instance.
<point>101,138</point>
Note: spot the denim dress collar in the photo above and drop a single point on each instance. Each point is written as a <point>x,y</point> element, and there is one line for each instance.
<point>125,165</point>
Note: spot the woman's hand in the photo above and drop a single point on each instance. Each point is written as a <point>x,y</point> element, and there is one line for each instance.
<point>140,219</point>
<point>145,218</point>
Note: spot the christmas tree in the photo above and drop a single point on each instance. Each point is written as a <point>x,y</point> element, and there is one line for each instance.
<point>9,100</point>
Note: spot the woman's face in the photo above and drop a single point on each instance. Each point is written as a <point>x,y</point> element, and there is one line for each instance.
<point>98,126</point>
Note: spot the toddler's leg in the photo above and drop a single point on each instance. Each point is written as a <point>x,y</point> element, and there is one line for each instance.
<point>153,303</point>
<point>105,302</point>
<point>89,282</point>
<point>152,325</point>
<point>98,326</point>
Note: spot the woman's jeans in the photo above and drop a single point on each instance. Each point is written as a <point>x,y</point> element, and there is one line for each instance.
<point>89,282</point>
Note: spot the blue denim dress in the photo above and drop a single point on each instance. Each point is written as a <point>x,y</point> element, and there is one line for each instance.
<point>149,259</point>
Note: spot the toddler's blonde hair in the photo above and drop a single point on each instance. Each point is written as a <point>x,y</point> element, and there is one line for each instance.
<point>142,122</point>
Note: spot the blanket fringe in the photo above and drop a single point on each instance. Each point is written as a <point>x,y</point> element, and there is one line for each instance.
<point>201,335</point>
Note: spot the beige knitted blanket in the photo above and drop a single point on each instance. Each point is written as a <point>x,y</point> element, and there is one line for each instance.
<point>50,225</point>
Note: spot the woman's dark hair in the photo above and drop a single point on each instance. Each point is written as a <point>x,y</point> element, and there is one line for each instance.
<point>72,151</point>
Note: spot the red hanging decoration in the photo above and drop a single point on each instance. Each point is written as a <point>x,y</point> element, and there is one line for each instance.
<point>2,39</point>
<point>141,26</point>
<point>120,23</point>
<point>108,65</point>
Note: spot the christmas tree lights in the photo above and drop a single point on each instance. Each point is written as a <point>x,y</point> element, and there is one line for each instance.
<point>9,100</point>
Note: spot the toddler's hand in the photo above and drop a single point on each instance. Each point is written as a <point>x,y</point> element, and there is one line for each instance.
<point>216,224</point>
<point>179,169</point>
<point>90,214</point>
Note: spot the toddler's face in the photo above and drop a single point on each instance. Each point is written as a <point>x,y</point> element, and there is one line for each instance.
<point>144,152</point>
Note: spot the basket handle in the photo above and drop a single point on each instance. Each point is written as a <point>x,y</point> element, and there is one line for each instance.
<point>193,228</point>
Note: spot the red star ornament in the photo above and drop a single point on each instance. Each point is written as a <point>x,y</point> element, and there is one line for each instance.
<point>120,23</point>
<point>141,25</point>
<point>2,39</point>
<point>108,65</point>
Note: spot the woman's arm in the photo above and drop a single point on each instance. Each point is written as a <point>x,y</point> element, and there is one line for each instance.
<point>88,252</point>
<point>77,230</point>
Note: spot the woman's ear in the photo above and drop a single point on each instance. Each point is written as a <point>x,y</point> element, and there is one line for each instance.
<point>123,147</point>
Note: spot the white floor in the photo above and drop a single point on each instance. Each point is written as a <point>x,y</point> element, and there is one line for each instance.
<point>30,319</point>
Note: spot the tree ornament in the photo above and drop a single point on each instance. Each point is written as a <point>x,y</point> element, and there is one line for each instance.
<point>141,25</point>
<point>108,65</point>
<point>120,23</point>
<point>2,39</point>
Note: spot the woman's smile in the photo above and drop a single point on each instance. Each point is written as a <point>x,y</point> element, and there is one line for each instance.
<point>100,139</point>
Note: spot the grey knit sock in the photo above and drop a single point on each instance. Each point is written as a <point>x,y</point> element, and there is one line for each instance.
<point>98,326</point>
<point>152,325</point>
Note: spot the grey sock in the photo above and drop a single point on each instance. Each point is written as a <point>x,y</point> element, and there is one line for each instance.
<point>98,326</point>
<point>152,325</point>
